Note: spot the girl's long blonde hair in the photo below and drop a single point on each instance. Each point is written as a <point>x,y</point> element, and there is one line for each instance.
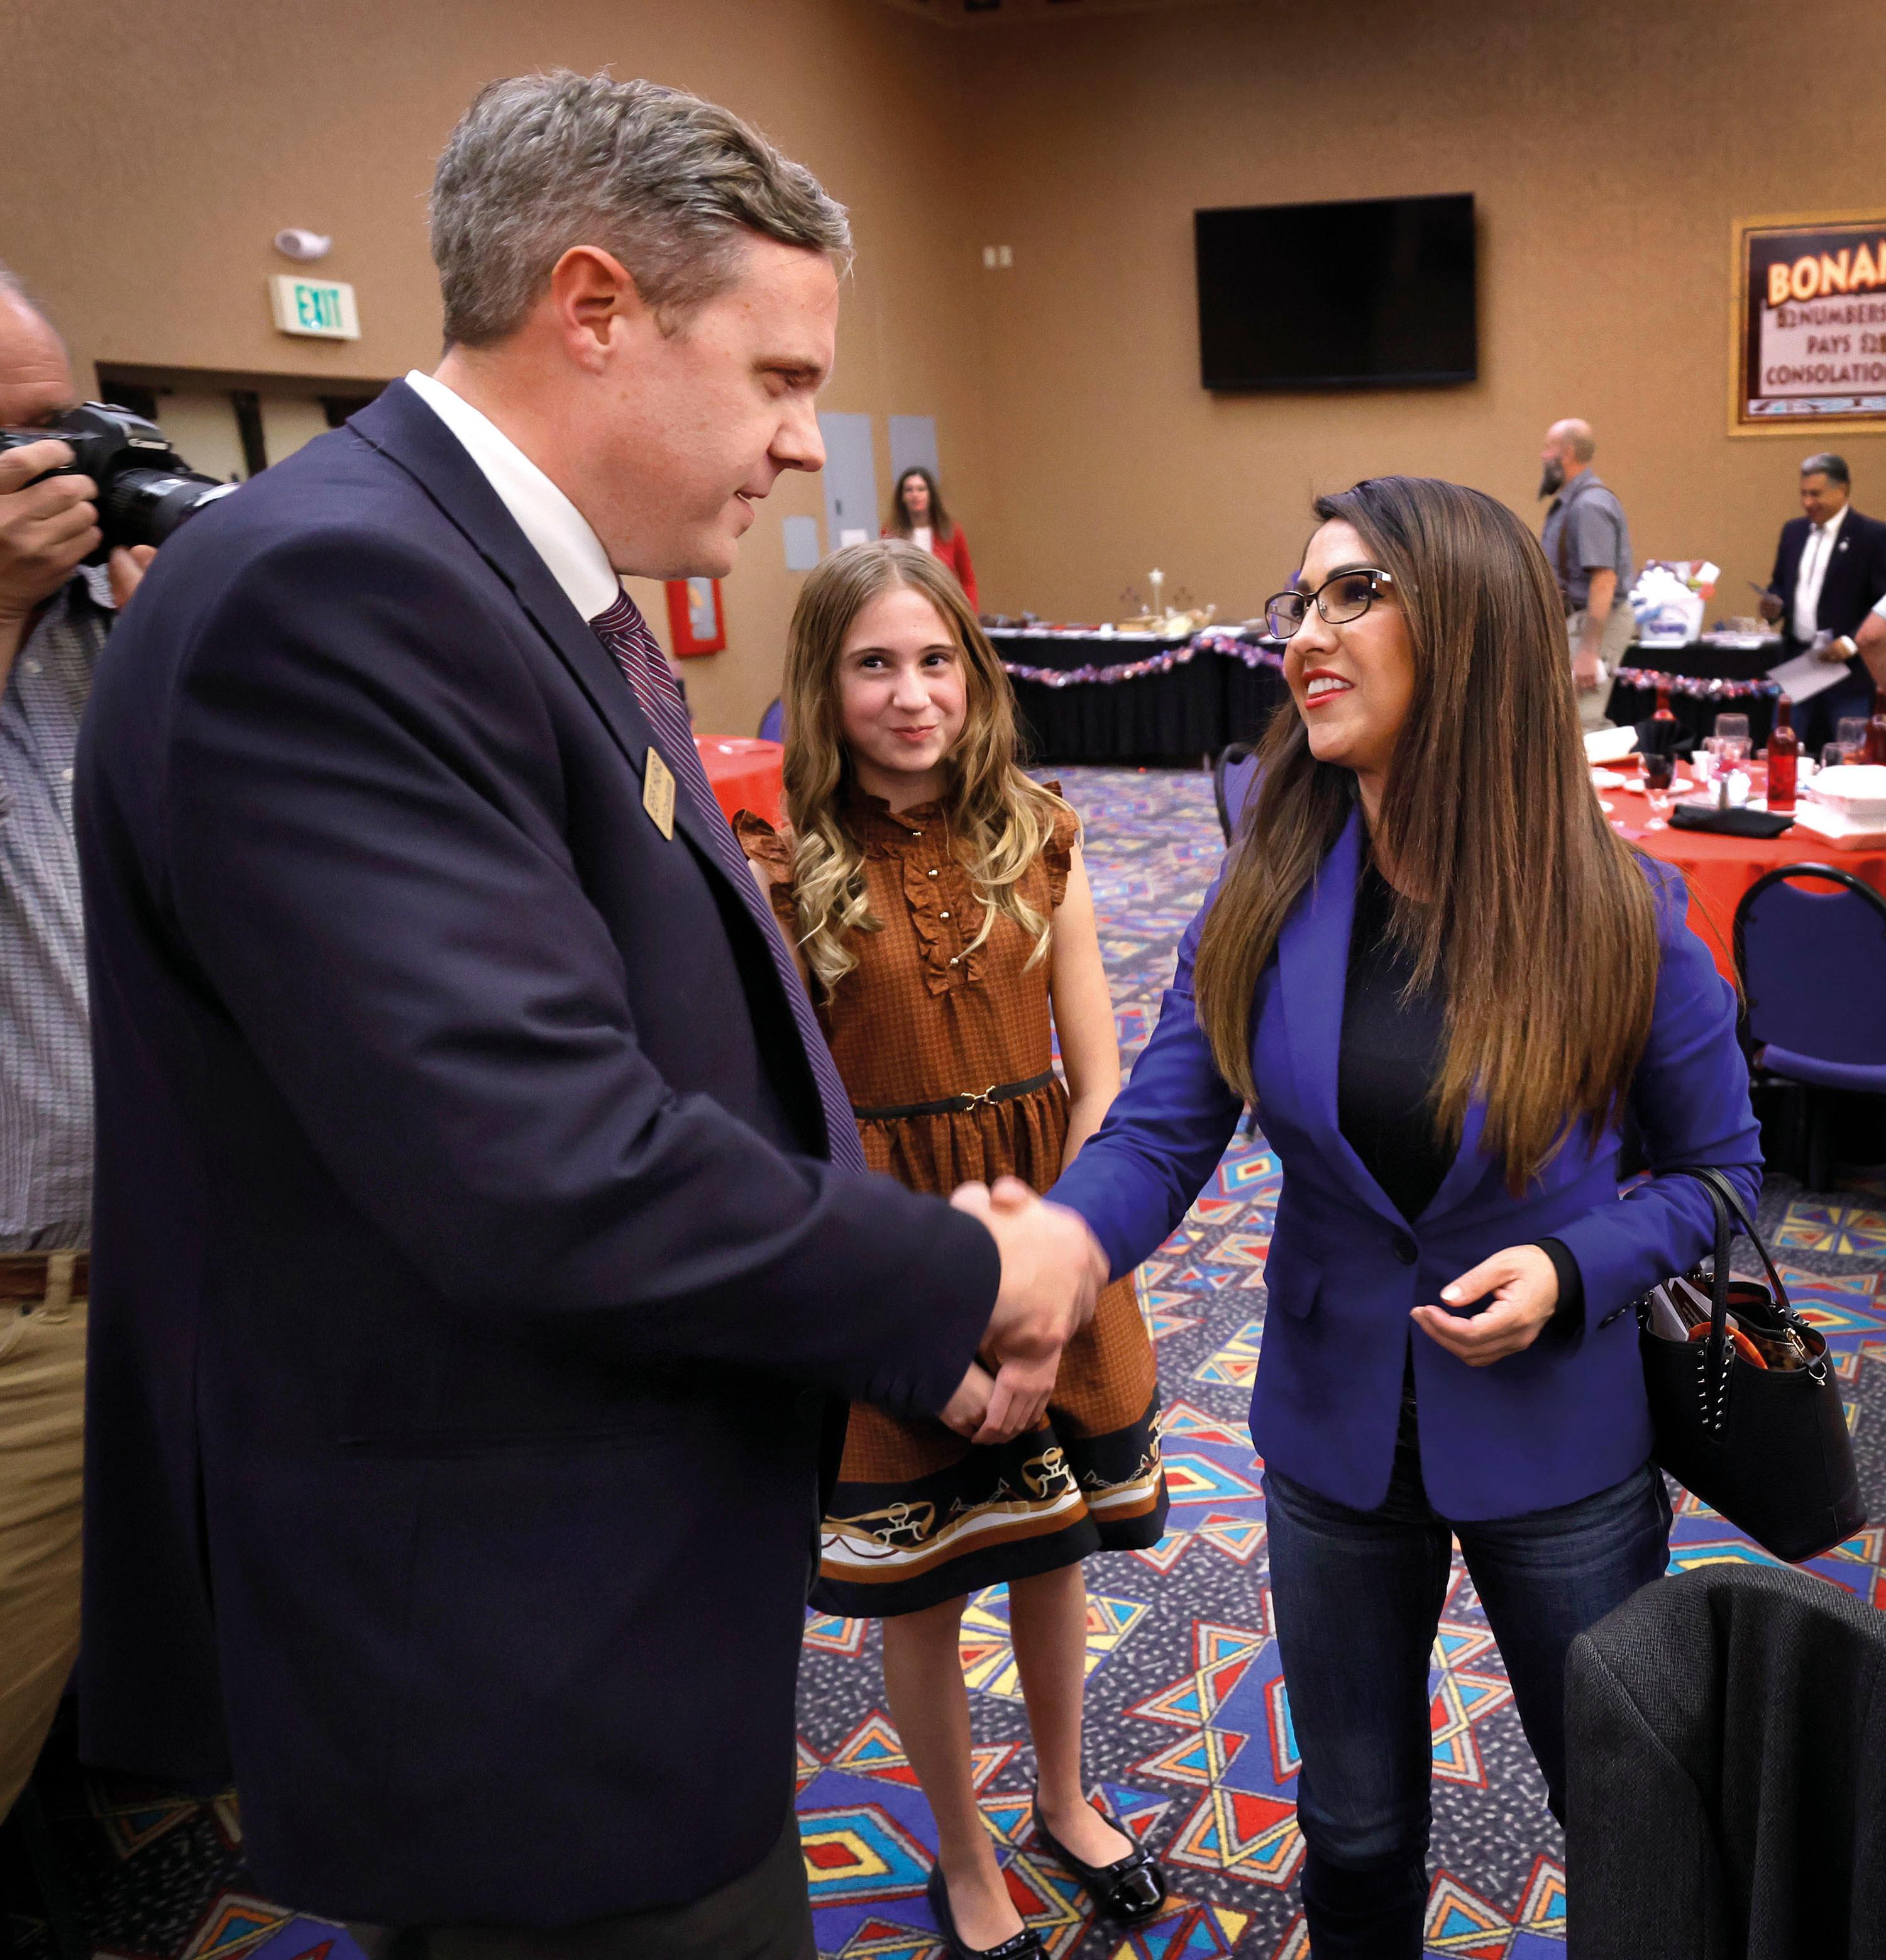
<point>999,818</point>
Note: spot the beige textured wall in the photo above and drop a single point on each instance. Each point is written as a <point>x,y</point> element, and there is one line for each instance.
<point>1609,144</point>
<point>147,164</point>
<point>150,155</point>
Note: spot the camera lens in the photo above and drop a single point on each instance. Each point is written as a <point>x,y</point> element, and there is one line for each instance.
<point>143,506</point>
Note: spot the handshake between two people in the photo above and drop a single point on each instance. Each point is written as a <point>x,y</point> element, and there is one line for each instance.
<point>1053,1270</point>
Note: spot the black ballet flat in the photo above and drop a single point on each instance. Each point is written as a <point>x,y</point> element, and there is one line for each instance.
<point>1025,1944</point>
<point>1129,1891</point>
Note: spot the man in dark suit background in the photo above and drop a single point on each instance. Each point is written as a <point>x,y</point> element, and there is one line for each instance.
<point>1830,572</point>
<point>481,1231</point>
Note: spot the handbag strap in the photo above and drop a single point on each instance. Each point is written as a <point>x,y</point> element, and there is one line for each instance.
<point>1712,1179</point>
<point>1726,1203</point>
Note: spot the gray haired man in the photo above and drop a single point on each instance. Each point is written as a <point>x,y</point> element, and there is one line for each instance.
<point>1588,545</point>
<point>1829,570</point>
<point>521,1256</point>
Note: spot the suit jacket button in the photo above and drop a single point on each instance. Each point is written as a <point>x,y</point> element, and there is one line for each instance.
<point>1405,1248</point>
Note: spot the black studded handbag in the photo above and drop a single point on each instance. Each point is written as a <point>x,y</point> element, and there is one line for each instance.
<point>1744,1399</point>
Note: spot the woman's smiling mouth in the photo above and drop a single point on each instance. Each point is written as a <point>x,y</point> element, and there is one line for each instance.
<point>1321,687</point>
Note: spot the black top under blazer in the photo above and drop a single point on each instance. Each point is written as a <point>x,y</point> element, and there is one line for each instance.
<point>468,1284</point>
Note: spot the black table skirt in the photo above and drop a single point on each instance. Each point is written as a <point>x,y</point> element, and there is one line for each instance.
<point>1184,715</point>
<point>1695,716</point>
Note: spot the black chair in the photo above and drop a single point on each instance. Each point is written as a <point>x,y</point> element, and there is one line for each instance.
<point>1813,969</point>
<point>1725,1773</point>
<point>1231,776</point>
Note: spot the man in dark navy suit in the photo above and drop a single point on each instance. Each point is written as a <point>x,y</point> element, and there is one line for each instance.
<point>481,1237</point>
<point>1830,572</point>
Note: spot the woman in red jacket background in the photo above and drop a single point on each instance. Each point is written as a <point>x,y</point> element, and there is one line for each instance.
<point>918,514</point>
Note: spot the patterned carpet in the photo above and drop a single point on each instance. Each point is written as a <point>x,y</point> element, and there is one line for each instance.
<point>1190,1743</point>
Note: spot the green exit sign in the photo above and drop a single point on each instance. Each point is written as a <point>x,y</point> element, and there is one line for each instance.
<point>323,308</point>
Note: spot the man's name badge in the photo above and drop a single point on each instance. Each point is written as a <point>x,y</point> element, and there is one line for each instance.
<point>658,792</point>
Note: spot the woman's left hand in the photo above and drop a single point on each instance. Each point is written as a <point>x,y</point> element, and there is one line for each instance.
<point>1525,1286</point>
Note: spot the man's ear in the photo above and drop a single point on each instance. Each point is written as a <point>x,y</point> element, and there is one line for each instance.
<point>590,292</point>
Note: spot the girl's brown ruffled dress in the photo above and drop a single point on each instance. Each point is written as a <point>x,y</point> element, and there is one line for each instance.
<point>920,1514</point>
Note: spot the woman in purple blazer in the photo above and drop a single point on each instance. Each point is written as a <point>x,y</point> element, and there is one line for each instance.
<point>1441,978</point>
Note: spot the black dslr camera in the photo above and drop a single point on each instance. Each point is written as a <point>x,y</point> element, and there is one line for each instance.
<point>145,489</point>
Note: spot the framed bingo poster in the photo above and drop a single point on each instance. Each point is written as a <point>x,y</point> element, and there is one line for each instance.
<point>1807,331</point>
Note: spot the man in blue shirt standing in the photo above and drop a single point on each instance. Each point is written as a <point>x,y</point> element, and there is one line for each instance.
<point>1587,544</point>
<point>55,612</point>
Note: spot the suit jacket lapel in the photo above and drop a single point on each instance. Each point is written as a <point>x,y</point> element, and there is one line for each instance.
<point>402,427</point>
<point>1465,1173</point>
<point>1313,966</point>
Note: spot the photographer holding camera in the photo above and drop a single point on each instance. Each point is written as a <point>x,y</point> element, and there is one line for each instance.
<point>55,614</point>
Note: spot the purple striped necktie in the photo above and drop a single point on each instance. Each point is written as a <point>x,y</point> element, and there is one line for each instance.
<point>624,631</point>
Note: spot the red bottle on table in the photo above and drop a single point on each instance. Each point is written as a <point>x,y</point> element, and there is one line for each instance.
<point>1875,750</point>
<point>1784,752</point>
<point>1665,718</point>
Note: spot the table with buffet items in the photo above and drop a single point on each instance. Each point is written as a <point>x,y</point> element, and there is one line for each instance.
<point>1719,869</point>
<point>1090,694</point>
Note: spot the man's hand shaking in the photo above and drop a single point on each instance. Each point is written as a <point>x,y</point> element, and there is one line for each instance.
<point>1052,1271</point>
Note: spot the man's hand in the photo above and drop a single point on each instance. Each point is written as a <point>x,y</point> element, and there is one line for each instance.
<point>1052,1271</point>
<point>1525,1286</point>
<point>46,529</point>
<point>1586,672</point>
<point>126,568</point>
<point>1768,606</point>
<point>1838,651</point>
<point>965,1409</point>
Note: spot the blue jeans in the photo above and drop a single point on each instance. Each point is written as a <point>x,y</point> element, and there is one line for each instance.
<point>1358,1596</point>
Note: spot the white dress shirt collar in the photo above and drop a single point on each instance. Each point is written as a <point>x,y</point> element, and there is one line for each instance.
<point>1817,554</point>
<point>557,531</point>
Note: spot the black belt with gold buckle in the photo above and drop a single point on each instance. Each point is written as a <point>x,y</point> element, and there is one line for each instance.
<point>958,1105</point>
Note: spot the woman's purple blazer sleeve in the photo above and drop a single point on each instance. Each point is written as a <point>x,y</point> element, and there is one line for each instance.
<point>1136,1177</point>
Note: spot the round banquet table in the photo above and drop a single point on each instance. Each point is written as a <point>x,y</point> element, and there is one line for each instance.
<point>745,773</point>
<point>1720,869</point>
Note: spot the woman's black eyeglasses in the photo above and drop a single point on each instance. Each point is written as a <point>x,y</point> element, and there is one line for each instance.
<point>1346,597</point>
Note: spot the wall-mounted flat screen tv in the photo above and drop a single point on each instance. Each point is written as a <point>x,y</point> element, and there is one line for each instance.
<point>1374,294</point>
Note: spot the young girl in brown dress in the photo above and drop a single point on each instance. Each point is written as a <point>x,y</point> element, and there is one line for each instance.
<point>938,901</point>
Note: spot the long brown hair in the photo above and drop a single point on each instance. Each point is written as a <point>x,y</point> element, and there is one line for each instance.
<point>899,526</point>
<point>1533,912</point>
<point>1000,818</point>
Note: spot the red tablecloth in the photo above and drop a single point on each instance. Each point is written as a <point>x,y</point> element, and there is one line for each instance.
<point>1720,869</point>
<point>745,773</point>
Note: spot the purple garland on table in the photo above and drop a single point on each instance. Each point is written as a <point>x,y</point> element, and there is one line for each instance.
<point>1259,653</point>
<point>1696,687</point>
<point>1253,654</point>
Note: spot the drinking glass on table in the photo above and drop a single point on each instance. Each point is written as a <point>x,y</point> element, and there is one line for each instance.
<point>1850,732</point>
<point>1659,771</point>
<point>1835,753</point>
<point>1732,728</point>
